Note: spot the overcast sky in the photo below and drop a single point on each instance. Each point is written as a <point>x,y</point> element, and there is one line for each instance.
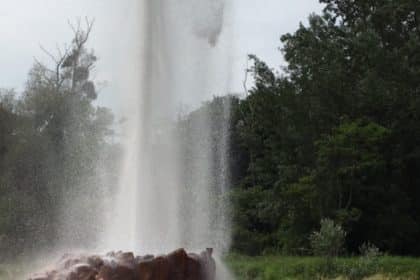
<point>27,24</point>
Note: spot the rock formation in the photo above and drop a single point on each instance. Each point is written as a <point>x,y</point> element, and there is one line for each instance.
<point>177,265</point>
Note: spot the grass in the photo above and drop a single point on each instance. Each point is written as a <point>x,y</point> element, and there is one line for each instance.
<point>283,267</point>
<point>280,267</point>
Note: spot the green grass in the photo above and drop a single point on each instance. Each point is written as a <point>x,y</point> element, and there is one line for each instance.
<point>280,267</point>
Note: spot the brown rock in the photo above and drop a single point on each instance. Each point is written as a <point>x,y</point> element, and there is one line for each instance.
<point>208,265</point>
<point>177,263</point>
<point>148,257</point>
<point>95,261</point>
<point>82,272</point>
<point>161,268</point>
<point>154,269</point>
<point>145,270</point>
<point>115,272</point>
<point>193,267</point>
<point>126,258</point>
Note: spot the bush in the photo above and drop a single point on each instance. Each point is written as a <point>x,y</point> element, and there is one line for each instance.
<point>367,264</point>
<point>369,251</point>
<point>329,240</point>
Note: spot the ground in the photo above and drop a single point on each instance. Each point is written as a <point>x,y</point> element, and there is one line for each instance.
<point>281,267</point>
<point>284,267</point>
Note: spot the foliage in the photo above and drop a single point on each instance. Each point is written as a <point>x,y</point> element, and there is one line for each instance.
<point>333,135</point>
<point>285,267</point>
<point>367,264</point>
<point>329,240</point>
<point>369,250</point>
<point>52,140</point>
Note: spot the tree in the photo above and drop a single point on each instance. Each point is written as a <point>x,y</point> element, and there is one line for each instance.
<point>53,145</point>
<point>335,135</point>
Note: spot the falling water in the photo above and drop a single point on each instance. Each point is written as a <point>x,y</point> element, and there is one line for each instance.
<point>164,202</point>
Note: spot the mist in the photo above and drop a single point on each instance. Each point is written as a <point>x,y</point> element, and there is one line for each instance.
<point>179,70</point>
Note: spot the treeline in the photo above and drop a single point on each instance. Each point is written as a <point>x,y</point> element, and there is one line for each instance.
<point>52,141</point>
<point>335,135</point>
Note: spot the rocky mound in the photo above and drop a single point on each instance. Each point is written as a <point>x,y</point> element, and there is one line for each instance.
<point>177,265</point>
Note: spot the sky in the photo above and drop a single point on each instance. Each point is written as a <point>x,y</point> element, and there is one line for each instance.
<point>25,25</point>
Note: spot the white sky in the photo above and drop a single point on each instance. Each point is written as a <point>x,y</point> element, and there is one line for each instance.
<point>27,24</point>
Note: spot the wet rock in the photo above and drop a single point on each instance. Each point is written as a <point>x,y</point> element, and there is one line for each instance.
<point>82,272</point>
<point>115,272</point>
<point>193,267</point>
<point>154,269</point>
<point>162,268</point>
<point>126,259</point>
<point>177,265</point>
<point>95,261</point>
<point>208,264</point>
<point>145,270</point>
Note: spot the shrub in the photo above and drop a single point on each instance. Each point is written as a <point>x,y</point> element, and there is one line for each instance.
<point>367,264</point>
<point>329,240</point>
<point>369,251</point>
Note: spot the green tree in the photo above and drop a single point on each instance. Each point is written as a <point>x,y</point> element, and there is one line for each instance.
<point>336,134</point>
<point>53,141</point>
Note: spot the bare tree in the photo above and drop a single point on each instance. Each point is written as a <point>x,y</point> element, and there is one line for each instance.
<point>71,63</point>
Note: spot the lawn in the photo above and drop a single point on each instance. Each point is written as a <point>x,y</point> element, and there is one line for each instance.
<point>283,267</point>
<point>280,267</point>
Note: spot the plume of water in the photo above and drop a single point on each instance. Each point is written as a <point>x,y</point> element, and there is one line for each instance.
<point>163,202</point>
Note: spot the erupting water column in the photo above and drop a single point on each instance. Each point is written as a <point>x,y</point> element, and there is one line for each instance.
<point>185,60</point>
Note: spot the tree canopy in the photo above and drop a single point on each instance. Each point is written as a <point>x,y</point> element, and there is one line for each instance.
<point>52,139</point>
<point>335,135</point>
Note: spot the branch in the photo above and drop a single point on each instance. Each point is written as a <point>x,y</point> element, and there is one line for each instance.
<point>81,36</point>
<point>72,27</point>
<point>246,77</point>
<point>46,77</point>
<point>53,58</point>
<point>58,61</point>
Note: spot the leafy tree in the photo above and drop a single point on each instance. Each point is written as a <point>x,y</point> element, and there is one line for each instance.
<point>52,143</point>
<point>336,134</point>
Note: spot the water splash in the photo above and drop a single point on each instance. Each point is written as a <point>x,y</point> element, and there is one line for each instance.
<point>162,205</point>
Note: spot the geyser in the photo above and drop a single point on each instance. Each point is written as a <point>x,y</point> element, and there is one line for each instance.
<point>172,183</point>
